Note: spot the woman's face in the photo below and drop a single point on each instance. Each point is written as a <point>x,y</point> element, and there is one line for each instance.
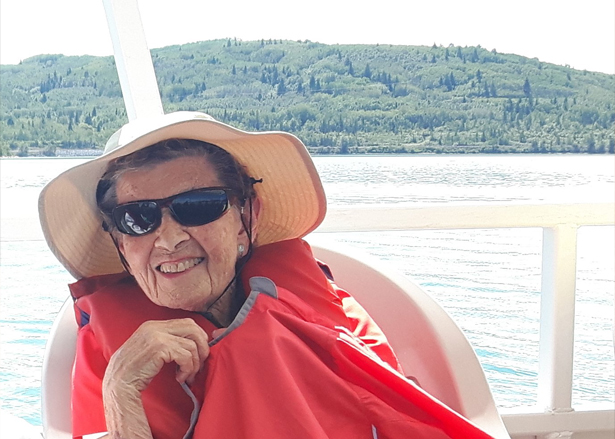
<point>178,266</point>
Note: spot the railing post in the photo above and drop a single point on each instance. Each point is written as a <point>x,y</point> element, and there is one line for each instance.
<point>557,306</point>
<point>133,59</point>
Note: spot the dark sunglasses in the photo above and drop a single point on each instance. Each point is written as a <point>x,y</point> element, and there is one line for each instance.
<point>192,208</point>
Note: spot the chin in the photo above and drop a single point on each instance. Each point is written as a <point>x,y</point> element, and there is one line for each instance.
<point>186,306</point>
<point>174,301</point>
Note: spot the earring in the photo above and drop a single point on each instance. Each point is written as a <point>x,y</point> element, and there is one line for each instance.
<point>240,249</point>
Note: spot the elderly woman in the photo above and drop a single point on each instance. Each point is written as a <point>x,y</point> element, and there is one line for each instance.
<point>201,310</point>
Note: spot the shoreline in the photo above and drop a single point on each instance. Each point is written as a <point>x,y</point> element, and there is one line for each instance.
<point>366,154</point>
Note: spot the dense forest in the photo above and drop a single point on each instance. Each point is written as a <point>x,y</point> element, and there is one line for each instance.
<point>336,98</point>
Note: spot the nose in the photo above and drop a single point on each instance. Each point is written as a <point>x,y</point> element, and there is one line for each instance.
<point>170,234</point>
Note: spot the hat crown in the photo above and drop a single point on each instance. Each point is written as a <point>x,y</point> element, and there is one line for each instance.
<point>137,128</point>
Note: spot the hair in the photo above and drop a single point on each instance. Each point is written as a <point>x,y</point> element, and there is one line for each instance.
<point>230,173</point>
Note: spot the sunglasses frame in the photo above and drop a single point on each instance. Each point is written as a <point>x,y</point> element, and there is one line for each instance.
<point>168,203</point>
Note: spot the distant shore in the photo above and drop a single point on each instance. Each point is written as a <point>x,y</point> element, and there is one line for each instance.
<point>335,152</point>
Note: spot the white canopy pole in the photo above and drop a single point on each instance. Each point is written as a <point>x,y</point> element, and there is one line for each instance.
<point>133,59</point>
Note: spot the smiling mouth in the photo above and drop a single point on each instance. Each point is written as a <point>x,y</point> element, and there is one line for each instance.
<point>171,267</point>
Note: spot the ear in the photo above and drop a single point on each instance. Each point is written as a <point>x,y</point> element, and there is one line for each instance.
<point>119,244</point>
<point>255,212</point>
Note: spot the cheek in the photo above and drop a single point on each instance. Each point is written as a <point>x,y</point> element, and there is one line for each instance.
<point>220,243</point>
<point>136,251</point>
<point>221,247</point>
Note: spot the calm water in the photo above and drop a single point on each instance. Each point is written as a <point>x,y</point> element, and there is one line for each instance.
<point>488,280</point>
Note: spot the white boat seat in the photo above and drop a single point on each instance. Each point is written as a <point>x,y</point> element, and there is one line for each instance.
<point>429,345</point>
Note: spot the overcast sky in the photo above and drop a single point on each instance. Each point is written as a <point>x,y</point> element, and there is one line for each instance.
<point>580,33</point>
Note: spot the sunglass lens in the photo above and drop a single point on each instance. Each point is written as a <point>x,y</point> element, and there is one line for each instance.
<point>137,218</point>
<point>199,207</point>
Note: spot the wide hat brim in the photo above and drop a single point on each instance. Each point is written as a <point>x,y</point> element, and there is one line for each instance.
<point>292,198</point>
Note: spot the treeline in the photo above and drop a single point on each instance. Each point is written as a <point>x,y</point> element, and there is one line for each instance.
<point>336,98</point>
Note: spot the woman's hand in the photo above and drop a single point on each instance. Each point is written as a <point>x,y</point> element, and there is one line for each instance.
<point>139,360</point>
<point>154,344</point>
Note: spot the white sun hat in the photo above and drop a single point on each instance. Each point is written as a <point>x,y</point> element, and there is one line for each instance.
<point>292,198</point>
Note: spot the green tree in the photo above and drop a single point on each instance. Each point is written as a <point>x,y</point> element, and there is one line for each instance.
<point>591,144</point>
<point>486,90</point>
<point>348,64</point>
<point>527,88</point>
<point>5,151</point>
<point>49,151</point>
<point>474,57</point>
<point>281,87</point>
<point>23,151</point>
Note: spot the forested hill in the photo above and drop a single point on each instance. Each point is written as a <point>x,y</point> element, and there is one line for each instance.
<point>337,98</point>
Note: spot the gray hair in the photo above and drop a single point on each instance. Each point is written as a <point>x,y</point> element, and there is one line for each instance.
<point>231,174</point>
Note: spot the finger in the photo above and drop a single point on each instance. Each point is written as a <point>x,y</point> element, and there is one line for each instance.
<point>188,328</point>
<point>197,362</point>
<point>187,366</point>
<point>164,348</point>
<point>160,336</point>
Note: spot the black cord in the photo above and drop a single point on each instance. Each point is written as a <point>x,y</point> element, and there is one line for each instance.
<point>117,247</point>
<point>241,263</point>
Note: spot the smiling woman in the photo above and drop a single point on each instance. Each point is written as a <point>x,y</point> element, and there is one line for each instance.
<point>186,256</point>
<point>190,267</point>
<point>202,312</point>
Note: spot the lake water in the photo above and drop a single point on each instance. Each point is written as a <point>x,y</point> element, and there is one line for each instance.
<point>488,280</point>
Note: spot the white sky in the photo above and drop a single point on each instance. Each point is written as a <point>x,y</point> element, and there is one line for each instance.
<point>580,33</point>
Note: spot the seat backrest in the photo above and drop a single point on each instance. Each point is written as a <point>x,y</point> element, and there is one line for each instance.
<point>430,346</point>
<point>57,371</point>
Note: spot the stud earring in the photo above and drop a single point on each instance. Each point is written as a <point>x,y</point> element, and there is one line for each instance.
<point>240,249</point>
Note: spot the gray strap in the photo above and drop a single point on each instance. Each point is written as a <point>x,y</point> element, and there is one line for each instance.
<point>195,411</point>
<point>258,285</point>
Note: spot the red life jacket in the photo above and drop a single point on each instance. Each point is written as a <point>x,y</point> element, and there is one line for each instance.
<point>291,265</point>
<point>285,370</point>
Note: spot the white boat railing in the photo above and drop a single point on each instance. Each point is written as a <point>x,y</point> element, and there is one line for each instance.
<point>133,59</point>
<point>560,223</point>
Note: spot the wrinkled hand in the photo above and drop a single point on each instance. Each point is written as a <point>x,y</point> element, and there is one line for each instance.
<point>154,344</point>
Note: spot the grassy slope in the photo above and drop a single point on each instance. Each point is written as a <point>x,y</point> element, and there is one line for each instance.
<point>337,98</point>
